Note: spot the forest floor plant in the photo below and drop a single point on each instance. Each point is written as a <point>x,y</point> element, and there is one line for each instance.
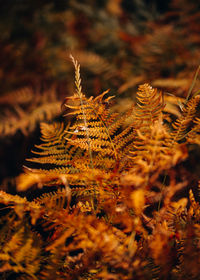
<point>111,194</point>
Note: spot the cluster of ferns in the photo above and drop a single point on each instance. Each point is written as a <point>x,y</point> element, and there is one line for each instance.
<point>118,201</point>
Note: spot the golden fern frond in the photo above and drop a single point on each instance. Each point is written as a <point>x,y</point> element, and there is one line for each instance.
<point>150,105</point>
<point>53,136</point>
<point>100,144</point>
<point>90,138</point>
<point>97,140</point>
<point>64,176</point>
<point>124,141</point>
<point>68,146</point>
<point>182,124</point>
<point>104,130</point>
<point>51,132</point>
<point>148,142</point>
<point>56,152</point>
<point>153,154</point>
<point>193,135</point>
<point>53,200</point>
<point>194,206</point>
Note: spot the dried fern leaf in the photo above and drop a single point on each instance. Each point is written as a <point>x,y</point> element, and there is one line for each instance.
<point>182,124</point>
<point>193,136</point>
<point>150,106</point>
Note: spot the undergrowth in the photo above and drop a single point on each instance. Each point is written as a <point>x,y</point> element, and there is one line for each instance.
<point>112,195</point>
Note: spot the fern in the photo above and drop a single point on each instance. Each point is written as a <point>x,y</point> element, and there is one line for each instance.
<point>151,105</point>
<point>91,142</point>
<point>97,142</point>
<point>193,135</point>
<point>104,220</point>
<point>182,124</point>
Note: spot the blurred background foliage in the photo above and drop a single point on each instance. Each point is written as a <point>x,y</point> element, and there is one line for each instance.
<point>116,41</point>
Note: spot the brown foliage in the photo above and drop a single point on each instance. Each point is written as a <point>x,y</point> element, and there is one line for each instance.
<point>116,211</point>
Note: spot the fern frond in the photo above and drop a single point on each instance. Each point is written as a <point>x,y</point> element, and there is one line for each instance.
<point>193,135</point>
<point>150,105</point>
<point>53,200</point>
<point>28,121</point>
<point>51,132</point>
<point>97,145</point>
<point>182,124</point>
<point>95,111</point>
<point>27,110</point>
<point>96,134</point>
<point>194,207</point>
<point>55,147</point>
<point>153,153</point>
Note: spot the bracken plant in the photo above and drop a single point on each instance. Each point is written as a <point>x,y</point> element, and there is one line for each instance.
<point>107,195</point>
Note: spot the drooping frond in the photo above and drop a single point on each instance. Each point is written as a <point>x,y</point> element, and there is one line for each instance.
<point>54,200</point>
<point>182,124</point>
<point>193,135</point>
<point>36,107</point>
